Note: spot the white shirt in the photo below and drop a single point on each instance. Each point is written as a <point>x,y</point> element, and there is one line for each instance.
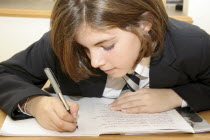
<point>114,86</point>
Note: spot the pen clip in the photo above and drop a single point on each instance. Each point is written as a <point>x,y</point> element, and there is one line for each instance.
<point>54,77</point>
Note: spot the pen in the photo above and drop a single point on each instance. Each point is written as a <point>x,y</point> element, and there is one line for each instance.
<point>55,86</point>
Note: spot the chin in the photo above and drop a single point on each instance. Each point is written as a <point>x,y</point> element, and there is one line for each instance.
<point>117,75</point>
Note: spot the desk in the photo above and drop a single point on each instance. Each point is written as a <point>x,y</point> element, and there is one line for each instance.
<point>205,115</point>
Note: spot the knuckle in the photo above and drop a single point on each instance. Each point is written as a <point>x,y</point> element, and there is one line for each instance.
<point>60,125</point>
<point>63,116</point>
<point>46,109</point>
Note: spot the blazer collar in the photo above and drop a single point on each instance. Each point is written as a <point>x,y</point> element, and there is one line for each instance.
<point>93,86</point>
<point>161,72</point>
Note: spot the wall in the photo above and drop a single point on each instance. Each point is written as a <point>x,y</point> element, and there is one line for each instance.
<point>200,12</point>
<point>17,34</point>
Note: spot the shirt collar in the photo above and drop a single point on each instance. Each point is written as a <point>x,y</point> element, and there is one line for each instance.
<point>143,67</point>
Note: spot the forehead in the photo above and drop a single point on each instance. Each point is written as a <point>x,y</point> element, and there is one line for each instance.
<point>89,36</point>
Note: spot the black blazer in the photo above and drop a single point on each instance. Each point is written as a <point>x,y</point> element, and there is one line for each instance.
<point>184,66</point>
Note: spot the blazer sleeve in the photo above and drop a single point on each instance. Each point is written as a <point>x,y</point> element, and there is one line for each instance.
<point>23,76</point>
<point>197,68</point>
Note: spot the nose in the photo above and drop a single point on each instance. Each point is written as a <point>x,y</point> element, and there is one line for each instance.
<point>97,58</point>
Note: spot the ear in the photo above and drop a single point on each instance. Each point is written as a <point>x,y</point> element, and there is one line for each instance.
<point>146,23</point>
<point>145,26</point>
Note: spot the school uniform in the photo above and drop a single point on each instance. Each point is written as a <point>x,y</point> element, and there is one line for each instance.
<point>183,66</point>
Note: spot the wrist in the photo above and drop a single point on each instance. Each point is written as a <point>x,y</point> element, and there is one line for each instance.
<point>176,99</point>
<point>32,104</point>
<point>23,107</point>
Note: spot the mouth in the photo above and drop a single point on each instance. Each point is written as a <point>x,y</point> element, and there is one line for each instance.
<point>108,70</point>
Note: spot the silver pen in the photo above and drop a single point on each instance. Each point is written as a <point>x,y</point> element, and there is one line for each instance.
<point>55,86</point>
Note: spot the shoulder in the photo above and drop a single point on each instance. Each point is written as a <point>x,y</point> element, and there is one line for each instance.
<point>183,30</point>
<point>190,43</point>
<point>186,37</point>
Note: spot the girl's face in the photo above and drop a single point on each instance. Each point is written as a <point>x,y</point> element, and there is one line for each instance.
<point>114,51</point>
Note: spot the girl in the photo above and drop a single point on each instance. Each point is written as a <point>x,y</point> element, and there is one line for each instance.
<point>92,47</point>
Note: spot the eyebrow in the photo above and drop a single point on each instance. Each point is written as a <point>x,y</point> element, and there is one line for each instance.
<point>100,42</point>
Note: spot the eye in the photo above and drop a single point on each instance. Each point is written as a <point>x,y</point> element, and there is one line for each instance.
<point>109,48</point>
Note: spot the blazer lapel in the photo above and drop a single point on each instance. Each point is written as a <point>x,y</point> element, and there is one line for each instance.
<point>94,86</point>
<point>162,75</point>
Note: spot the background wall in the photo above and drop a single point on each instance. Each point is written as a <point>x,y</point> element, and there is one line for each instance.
<point>199,10</point>
<point>17,34</point>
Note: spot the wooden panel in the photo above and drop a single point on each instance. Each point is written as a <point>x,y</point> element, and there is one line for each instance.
<point>25,13</point>
<point>46,14</point>
<point>183,18</point>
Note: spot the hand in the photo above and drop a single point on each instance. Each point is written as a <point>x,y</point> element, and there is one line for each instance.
<point>147,101</point>
<point>51,114</point>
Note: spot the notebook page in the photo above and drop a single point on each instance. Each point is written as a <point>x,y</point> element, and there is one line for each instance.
<point>118,122</point>
<point>95,118</point>
<point>30,127</point>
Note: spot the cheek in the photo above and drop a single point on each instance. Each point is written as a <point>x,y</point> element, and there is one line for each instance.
<point>120,57</point>
<point>125,56</point>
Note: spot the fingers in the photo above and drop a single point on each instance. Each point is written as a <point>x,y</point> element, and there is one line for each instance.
<point>124,95</point>
<point>126,105</point>
<point>60,124</point>
<point>74,108</point>
<point>125,99</point>
<point>64,115</point>
<point>129,96</point>
<point>53,127</point>
<point>64,120</point>
<point>49,124</point>
<point>147,101</point>
<point>135,110</point>
<point>130,102</point>
<point>51,114</point>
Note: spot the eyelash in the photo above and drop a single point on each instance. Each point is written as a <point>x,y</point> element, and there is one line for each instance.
<point>109,48</point>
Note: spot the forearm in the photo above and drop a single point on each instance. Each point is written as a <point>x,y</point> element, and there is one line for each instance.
<point>197,95</point>
<point>14,90</point>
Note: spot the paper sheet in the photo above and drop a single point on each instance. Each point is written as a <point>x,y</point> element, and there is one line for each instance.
<point>95,118</point>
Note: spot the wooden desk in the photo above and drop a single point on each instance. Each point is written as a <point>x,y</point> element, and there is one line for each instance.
<point>205,115</point>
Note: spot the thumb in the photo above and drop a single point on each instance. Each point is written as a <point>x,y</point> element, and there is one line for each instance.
<point>74,108</point>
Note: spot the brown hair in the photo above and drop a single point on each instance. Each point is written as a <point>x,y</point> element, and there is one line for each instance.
<point>69,15</point>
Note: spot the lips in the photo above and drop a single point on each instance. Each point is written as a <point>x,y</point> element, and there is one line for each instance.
<point>108,70</point>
